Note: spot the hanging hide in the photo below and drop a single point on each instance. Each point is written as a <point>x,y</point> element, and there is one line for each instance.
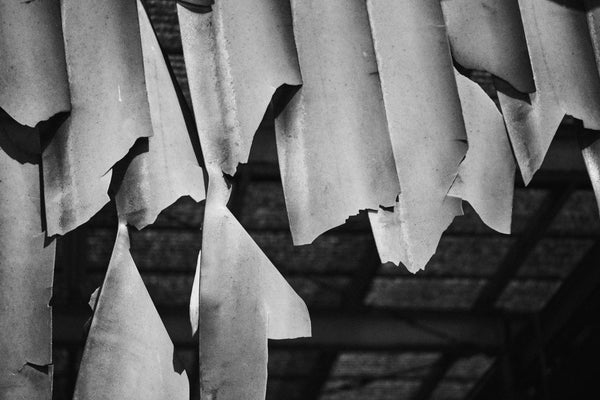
<point>236,56</point>
<point>26,269</point>
<point>165,167</point>
<point>109,109</point>
<point>33,73</point>
<point>566,77</point>
<point>332,140</point>
<point>128,353</point>
<point>486,177</point>
<point>244,301</point>
<point>425,123</point>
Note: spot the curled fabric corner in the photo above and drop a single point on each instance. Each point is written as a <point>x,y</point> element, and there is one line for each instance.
<point>156,178</point>
<point>566,77</point>
<point>33,73</point>
<point>109,109</point>
<point>243,301</point>
<point>332,140</point>
<point>486,177</point>
<point>128,353</point>
<point>26,272</point>
<point>590,149</point>
<point>425,124</point>
<point>488,35</point>
<point>236,57</point>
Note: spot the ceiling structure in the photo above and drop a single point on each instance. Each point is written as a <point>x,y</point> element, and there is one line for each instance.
<point>492,316</point>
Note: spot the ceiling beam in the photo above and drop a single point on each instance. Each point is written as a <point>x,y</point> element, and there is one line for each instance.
<point>345,331</point>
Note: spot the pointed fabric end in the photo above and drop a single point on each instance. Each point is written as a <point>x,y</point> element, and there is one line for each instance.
<point>243,301</point>
<point>486,175</point>
<point>531,122</point>
<point>128,352</point>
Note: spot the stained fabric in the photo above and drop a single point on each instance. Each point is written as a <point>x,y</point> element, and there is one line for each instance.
<point>486,177</point>
<point>425,123</point>
<point>128,353</point>
<point>26,269</point>
<point>235,64</point>
<point>243,301</point>
<point>488,35</point>
<point>165,167</point>
<point>333,145</point>
<point>566,78</point>
<point>109,109</point>
<point>33,72</point>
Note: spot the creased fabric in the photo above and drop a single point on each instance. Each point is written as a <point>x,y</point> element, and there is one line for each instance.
<point>243,301</point>
<point>109,109</point>
<point>33,72</point>
<point>236,57</point>
<point>425,124</point>
<point>165,168</point>
<point>566,77</point>
<point>333,145</point>
<point>128,352</point>
<point>26,269</point>
<point>488,35</point>
<point>486,177</point>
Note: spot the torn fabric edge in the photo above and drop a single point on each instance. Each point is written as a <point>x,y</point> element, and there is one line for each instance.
<point>488,35</point>
<point>333,146</point>
<point>33,72</point>
<point>244,301</point>
<point>234,67</point>
<point>486,177</point>
<point>167,169</point>
<point>26,269</point>
<point>426,127</point>
<point>566,76</point>
<point>128,352</point>
<point>109,109</point>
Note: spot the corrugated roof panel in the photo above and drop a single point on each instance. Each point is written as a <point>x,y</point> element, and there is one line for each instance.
<point>399,365</point>
<point>424,293</point>
<point>554,258</point>
<point>451,390</point>
<point>319,292</point>
<point>527,295</point>
<point>347,389</point>
<point>469,368</point>
<point>474,256</point>
<point>291,362</point>
<point>579,216</point>
<point>331,253</point>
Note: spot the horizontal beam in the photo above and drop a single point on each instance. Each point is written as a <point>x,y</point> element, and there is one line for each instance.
<point>374,331</point>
